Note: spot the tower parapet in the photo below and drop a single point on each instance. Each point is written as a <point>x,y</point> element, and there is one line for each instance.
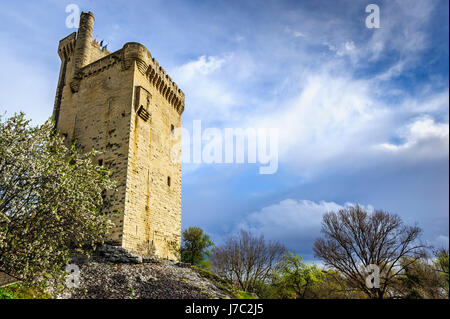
<point>66,46</point>
<point>156,75</point>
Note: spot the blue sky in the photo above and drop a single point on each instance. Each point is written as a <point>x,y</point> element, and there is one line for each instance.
<point>362,113</point>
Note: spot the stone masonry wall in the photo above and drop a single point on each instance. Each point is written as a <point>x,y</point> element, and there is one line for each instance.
<point>102,122</point>
<point>153,207</point>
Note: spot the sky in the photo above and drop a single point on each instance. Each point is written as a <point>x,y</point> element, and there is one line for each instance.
<point>362,113</point>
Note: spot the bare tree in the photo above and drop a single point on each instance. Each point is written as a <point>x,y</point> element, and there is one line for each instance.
<point>245,259</point>
<point>354,239</point>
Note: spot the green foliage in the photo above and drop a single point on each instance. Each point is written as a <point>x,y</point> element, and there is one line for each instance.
<point>423,279</point>
<point>441,264</point>
<point>336,286</point>
<point>212,277</point>
<point>24,291</point>
<point>5,294</point>
<point>419,279</point>
<point>219,282</point>
<point>195,247</point>
<point>297,279</point>
<point>223,284</point>
<point>50,200</point>
<point>267,290</point>
<point>244,295</point>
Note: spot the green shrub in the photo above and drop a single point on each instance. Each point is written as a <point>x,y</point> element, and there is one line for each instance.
<point>24,291</point>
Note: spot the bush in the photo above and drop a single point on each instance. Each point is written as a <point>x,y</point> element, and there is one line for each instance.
<point>50,201</point>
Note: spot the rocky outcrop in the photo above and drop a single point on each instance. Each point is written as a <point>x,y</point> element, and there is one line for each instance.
<point>151,278</point>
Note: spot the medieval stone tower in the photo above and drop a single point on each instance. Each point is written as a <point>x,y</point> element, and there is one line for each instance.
<point>125,105</point>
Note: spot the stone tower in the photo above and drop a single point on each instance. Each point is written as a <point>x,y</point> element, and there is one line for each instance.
<point>125,105</point>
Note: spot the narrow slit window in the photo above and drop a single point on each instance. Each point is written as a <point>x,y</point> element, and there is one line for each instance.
<point>172,129</point>
<point>168,181</point>
<point>143,114</point>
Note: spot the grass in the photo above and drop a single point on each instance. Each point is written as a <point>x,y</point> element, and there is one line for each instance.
<point>244,295</point>
<point>23,291</point>
<point>223,284</point>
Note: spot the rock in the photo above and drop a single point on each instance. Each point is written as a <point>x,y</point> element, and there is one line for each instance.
<point>79,259</point>
<point>116,254</point>
<point>155,280</point>
<point>114,272</point>
<point>151,259</point>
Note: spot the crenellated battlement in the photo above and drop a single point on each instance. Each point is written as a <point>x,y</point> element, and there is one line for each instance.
<point>90,59</point>
<point>149,66</point>
<point>165,85</point>
<point>67,46</point>
<point>146,64</point>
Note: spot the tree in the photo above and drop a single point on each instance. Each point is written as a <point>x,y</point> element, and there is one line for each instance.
<point>441,262</point>
<point>50,200</point>
<point>195,247</point>
<point>355,240</point>
<point>246,260</point>
<point>419,280</point>
<point>336,286</point>
<point>297,279</point>
<point>441,265</point>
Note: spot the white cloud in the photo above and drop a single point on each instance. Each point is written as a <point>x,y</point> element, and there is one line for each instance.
<point>402,33</point>
<point>437,102</point>
<point>423,128</point>
<point>288,217</point>
<point>202,66</point>
<point>210,85</point>
<point>402,28</point>
<point>394,71</point>
<point>348,48</point>
<point>327,118</point>
<point>295,223</point>
<point>333,120</point>
<point>422,138</point>
<point>338,122</point>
